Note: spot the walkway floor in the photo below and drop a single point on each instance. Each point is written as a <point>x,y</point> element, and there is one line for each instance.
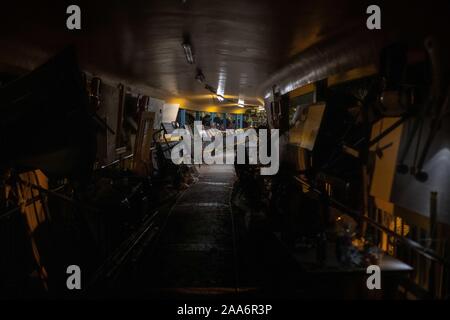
<point>196,252</point>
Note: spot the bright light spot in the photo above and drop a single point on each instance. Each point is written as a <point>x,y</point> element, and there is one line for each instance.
<point>221,83</point>
<point>241,103</point>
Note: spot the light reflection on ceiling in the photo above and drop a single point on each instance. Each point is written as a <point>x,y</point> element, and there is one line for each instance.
<point>238,44</point>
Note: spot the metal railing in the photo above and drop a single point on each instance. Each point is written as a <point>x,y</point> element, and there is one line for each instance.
<point>434,259</point>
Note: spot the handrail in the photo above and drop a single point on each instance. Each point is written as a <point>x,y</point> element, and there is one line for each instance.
<point>58,195</point>
<point>427,252</point>
<point>115,162</point>
<point>9,212</point>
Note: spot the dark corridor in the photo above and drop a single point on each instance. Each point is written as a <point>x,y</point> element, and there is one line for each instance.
<point>239,150</point>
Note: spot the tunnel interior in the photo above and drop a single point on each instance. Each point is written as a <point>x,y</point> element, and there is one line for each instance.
<point>194,149</point>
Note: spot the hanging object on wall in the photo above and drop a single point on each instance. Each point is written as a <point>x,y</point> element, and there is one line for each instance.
<point>142,160</point>
<point>120,143</point>
<point>94,92</point>
<point>45,121</point>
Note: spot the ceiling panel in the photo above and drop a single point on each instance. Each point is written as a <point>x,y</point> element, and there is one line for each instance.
<point>237,44</point>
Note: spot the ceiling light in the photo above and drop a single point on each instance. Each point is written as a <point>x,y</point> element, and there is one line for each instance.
<point>188,52</point>
<point>221,83</point>
<point>210,88</point>
<point>241,103</point>
<point>200,77</point>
